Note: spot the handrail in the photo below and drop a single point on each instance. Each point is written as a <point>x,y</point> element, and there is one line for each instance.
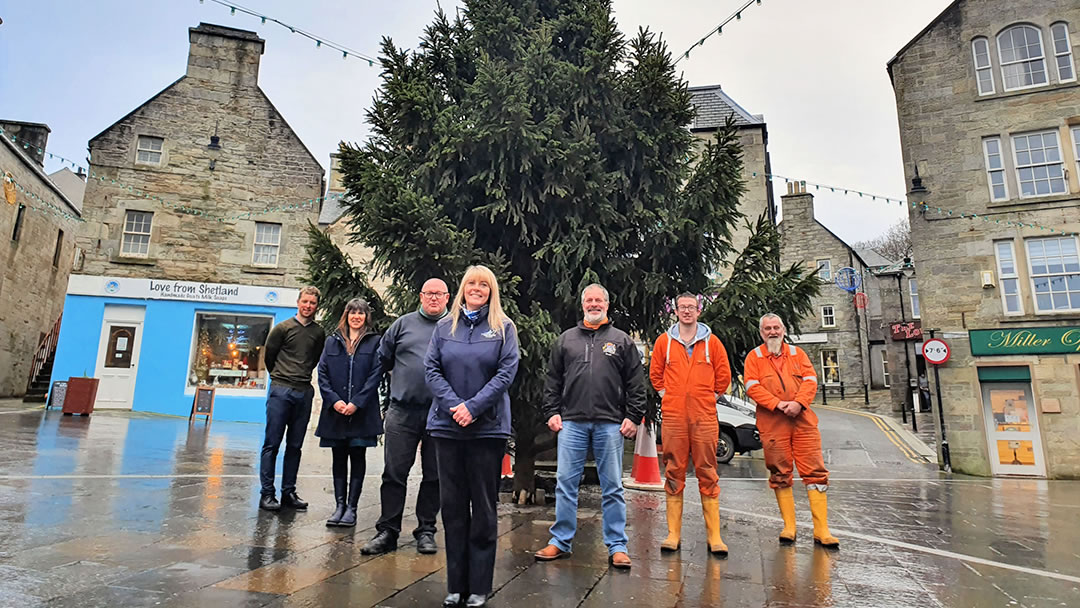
<point>45,349</point>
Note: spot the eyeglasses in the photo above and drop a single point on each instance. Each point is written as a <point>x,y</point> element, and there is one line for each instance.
<point>434,294</point>
<point>686,308</point>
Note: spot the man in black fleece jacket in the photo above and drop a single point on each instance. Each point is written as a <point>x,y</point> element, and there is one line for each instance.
<point>594,396</point>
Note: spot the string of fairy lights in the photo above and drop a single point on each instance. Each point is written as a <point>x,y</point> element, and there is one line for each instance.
<point>718,30</point>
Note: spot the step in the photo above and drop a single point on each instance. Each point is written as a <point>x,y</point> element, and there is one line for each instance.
<point>32,398</point>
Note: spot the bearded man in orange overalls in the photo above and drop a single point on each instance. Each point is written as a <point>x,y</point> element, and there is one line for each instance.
<point>782,381</point>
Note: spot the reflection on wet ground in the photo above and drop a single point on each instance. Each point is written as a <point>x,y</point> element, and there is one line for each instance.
<point>129,510</point>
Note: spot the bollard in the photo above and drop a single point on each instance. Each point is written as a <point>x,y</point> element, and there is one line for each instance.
<point>824,395</point>
<point>841,391</point>
<point>866,394</point>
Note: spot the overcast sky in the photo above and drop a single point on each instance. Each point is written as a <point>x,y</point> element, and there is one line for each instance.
<point>814,69</point>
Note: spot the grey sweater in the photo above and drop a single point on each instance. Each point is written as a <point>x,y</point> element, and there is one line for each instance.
<point>292,352</point>
<point>402,353</point>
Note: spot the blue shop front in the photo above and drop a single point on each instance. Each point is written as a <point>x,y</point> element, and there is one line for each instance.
<point>151,342</point>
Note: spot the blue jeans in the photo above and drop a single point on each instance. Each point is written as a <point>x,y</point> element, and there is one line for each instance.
<point>575,438</point>
<point>287,413</point>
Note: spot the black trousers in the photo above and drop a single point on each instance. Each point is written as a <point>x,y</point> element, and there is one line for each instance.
<point>405,429</point>
<point>287,409</point>
<point>469,483</point>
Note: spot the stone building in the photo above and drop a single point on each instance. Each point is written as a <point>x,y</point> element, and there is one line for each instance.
<point>196,212</point>
<point>989,111</point>
<point>39,223</point>
<point>333,221</point>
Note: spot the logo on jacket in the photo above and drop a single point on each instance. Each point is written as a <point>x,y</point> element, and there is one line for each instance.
<point>609,349</point>
<point>489,333</point>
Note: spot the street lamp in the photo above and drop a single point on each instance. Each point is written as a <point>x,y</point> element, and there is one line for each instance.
<point>907,271</point>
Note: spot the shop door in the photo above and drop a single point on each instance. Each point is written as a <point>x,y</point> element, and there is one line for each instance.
<point>118,355</point>
<point>1012,429</point>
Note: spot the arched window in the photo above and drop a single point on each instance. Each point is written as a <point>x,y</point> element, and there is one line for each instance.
<point>1023,64</point>
<point>984,74</point>
<point>1063,57</point>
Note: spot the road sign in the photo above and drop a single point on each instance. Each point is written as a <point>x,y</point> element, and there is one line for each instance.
<point>861,300</point>
<point>848,279</point>
<point>936,351</point>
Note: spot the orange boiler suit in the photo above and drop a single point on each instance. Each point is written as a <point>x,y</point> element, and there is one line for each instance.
<point>688,386</point>
<point>771,379</point>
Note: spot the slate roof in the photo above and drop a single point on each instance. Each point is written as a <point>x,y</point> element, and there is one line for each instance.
<point>714,106</point>
<point>332,210</point>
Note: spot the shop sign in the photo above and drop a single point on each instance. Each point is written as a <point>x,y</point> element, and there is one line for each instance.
<point>192,291</point>
<point>1025,341</point>
<point>907,330</point>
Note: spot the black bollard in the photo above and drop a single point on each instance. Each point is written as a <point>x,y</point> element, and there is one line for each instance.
<point>824,395</point>
<point>841,391</point>
<point>866,394</point>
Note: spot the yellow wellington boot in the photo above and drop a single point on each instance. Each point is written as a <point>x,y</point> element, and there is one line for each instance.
<point>674,523</point>
<point>819,508</point>
<point>786,500</point>
<point>711,509</point>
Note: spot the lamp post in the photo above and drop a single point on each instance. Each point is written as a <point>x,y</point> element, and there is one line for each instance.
<point>906,272</point>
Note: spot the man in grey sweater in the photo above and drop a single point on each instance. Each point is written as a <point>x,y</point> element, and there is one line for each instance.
<point>401,352</point>
<point>292,351</point>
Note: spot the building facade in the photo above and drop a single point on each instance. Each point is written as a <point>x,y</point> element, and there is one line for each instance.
<point>989,111</point>
<point>196,211</point>
<point>39,223</point>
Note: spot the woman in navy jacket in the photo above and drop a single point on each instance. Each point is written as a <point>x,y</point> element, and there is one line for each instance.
<point>470,363</point>
<point>349,375</point>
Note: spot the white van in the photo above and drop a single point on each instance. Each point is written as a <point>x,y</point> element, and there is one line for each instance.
<point>738,427</point>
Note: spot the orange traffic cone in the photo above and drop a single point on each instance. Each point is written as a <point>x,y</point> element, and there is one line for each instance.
<point>507,468</point>
<point>645,474</point>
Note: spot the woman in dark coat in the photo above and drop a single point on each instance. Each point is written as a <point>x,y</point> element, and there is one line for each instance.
<point>470,364</point>
<point>349,375</point>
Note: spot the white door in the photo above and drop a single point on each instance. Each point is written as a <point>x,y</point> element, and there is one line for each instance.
<point>118,355</point>
<point>1012,429</point>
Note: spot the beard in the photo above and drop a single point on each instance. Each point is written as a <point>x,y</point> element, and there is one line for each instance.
<point>774,344</point>
<point>595,317</point>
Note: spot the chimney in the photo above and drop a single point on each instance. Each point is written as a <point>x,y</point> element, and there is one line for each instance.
<point>797,205</point>
<point>224,54</point>
<point>30,137</point>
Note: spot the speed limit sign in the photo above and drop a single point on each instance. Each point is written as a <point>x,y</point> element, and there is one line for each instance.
<point>936,351</point>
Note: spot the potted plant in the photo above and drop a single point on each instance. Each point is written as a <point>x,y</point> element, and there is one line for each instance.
<point>81,394</point>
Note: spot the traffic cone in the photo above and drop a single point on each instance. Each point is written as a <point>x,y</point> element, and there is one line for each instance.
<point>645,475</point>
<point>507,468</point>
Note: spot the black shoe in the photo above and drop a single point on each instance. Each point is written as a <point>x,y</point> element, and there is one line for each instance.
<point>335,519</point>
<point>292,501</point>
<point>452,600</point>
<point>348,520</point>
<point>476,600</point>
<point>425,543</point>
<point>269,503</point>
<point>383,542</point>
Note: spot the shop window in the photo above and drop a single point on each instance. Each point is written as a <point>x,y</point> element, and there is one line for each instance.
<point>227,351</point>
<point>830,366</point>
<point>149,150</point>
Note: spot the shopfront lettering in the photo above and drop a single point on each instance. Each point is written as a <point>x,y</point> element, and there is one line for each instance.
<point>1037,340</point>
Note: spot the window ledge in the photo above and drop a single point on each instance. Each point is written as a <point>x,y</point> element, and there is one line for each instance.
<point>262,270</point>
<point>1028,91</point>
<point>1034,201</point>
<point>121,259</point>
<point>1041,318</point>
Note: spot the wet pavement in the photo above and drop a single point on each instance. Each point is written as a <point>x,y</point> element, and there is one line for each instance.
<point>122,509</point>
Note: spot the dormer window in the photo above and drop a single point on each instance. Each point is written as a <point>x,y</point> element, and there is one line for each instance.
<point>1023,64</point>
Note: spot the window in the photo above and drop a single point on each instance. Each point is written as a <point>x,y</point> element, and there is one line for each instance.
<point>19,215</point>
<point>1055,273</point>
<point>59,247</point>
<point>1008,279</point>
<point>830,367</point>
<point>984,75</point>
<point>1063,52</point>
<point>149,150</point>
<point>885,378</point>
<point>1076,146</point>
<point>227,351</point>
<point>913,288</point>
<point>136,239</point>
<point>995,169</point>
<point>824,270</point>
<point>267,244</point>
<point>828,316</point>
<point>1039,169</point>
<point>1021,53</point>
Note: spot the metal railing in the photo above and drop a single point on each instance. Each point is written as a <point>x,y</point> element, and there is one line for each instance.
<point>44,351</point>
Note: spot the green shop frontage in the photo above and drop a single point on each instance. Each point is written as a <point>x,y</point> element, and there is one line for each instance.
<point>1029,396</point>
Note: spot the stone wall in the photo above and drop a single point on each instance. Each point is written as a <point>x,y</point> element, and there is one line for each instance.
<point>261,164</point>
<point>943,122</point>
<point>31,288</point>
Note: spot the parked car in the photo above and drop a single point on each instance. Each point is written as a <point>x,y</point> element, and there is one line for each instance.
<point>738,427</point>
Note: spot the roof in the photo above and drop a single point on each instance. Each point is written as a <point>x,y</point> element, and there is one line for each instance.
<point>214,29</point>
<point>874,258</point>
<point>23,123</point>
<point>919,36</point>
<point>33,166</point>
<point>332,210</point>
<point>856,252</point>
<point>713,107</point>
<point>71,184</point>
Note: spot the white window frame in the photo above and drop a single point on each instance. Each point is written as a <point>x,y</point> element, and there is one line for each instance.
<point>131,240</point>
<point>1074,130</point>
<point>189,388</point>
<point>1017,166</point>
<point>1067,54</point>
<point>266,253</point>
<point>1065,273</point>
<point>1013,277</point>
<point>831,314</point>
<point>824,269</point>
<point>913,299</point>
<point>1007,64</point>
<point>991,172</point>
<point>824,370</point>
<point>886,378</point>
<point>145,145</point>
<point>982,69</point>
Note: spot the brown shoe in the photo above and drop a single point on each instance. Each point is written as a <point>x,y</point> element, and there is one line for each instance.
<point>549,553</point>
<point>620,560</point>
